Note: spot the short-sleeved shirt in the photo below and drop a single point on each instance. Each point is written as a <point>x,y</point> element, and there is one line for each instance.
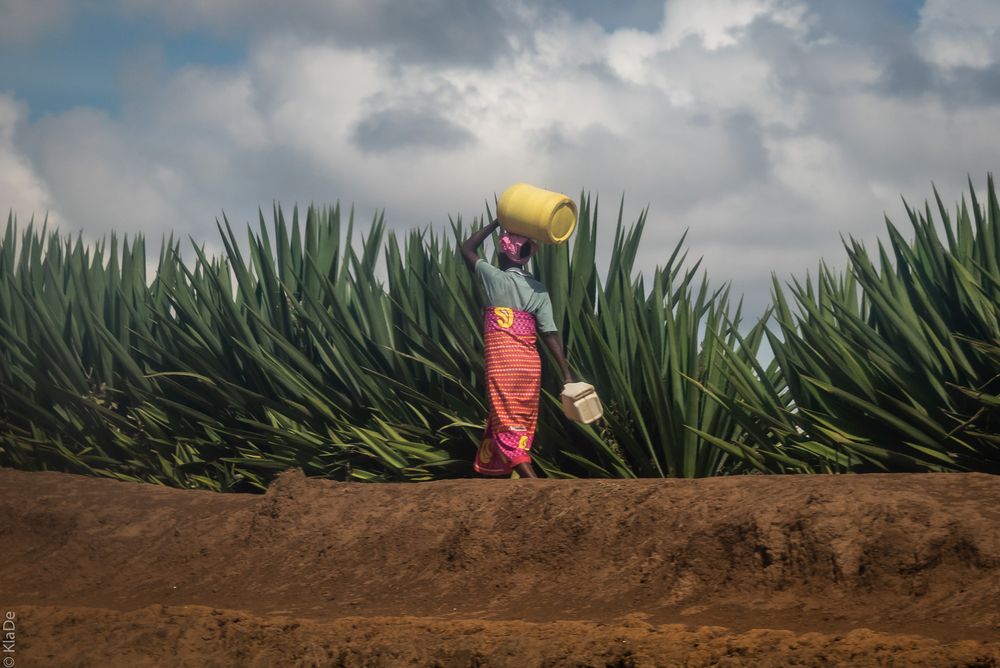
<point>515,288</point>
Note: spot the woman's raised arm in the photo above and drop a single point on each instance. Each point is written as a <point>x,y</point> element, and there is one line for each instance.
<point>469,246</point>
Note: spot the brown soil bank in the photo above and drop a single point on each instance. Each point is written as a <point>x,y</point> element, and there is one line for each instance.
<point>758,570</point>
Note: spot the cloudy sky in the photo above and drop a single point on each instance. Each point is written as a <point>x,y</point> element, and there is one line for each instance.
<point>766,127</point>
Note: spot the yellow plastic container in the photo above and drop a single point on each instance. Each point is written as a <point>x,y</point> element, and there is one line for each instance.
<point>581,403</point>
<point>542,215</point>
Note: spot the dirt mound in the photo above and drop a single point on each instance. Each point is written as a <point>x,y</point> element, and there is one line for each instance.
<point>472,570</point>
<point>204,637</point>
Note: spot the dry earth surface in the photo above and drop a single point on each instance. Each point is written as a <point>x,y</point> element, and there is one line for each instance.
<point>895,570</point>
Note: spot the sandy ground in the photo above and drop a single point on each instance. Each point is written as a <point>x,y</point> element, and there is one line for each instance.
<point>900,570</point>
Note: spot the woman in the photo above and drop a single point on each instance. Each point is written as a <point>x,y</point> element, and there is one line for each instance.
<point>517,306</point>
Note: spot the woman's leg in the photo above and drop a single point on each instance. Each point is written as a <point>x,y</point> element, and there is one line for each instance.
<point>525,470</point>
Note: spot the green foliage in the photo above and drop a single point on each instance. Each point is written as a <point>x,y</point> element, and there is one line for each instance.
<point>893,365</point>
<point>648,351</point>
<point>290,350</point>
<point>363,361</point>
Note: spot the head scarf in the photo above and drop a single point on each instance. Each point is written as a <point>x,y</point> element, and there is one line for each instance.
<point>510,245</point>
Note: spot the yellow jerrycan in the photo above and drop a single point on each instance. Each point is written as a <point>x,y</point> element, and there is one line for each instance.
<point>542,215</point>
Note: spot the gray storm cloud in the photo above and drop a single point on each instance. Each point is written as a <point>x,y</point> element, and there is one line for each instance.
<point>402,129</point>
<point>433,31</point>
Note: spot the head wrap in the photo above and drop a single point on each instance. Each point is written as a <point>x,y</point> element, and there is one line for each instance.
<point>510,245</point>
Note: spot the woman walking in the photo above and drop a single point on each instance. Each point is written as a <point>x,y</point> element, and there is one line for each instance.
<point>517,307</point>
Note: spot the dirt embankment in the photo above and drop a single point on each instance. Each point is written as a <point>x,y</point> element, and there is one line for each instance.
<point>756,570</point>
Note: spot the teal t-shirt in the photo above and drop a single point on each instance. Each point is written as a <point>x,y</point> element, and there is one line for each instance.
<point>516,289</point>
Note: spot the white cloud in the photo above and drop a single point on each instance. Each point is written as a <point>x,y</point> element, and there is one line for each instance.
<point>961,33</point>
<point>21,189</point>
<point>312,94</point>
<point>100,177</point>
<point>721,23</point>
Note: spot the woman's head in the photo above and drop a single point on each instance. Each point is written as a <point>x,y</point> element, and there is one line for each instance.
<point>517,249</point>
